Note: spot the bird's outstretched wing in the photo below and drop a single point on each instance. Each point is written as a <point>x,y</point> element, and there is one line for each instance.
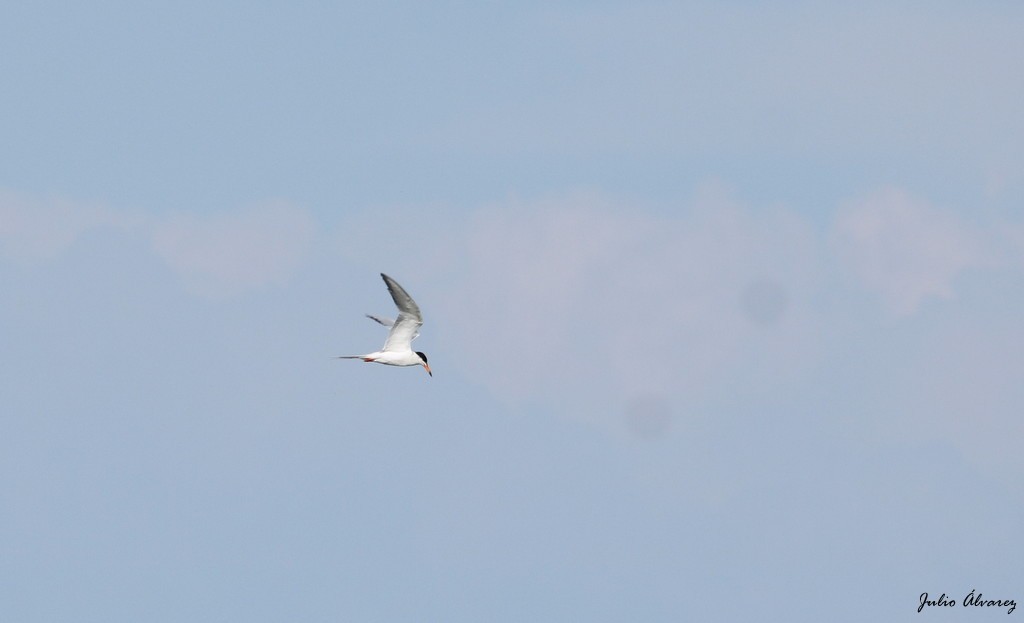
<point>387,322</point>
<point>406,327</point>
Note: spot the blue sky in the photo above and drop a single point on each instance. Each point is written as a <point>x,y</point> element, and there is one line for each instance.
<point>722,300</point>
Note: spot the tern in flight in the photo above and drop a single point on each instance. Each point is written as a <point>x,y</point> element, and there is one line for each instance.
<point>397,349</point>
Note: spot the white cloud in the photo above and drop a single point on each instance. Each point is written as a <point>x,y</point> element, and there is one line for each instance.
<point>228,253</point>
<point>215,255</point>
<point>905,249</point>
<point>581,299</point>
<point>599,310</point>
<point>34,229</point>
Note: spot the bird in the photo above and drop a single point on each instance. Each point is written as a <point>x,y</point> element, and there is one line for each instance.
<point>405,328</point>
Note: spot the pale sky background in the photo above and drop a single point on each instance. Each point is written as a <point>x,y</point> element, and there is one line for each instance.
<point>723,302</point>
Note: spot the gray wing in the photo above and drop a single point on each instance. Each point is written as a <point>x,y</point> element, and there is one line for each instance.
<point>387,322</point>
<point>406,327</point>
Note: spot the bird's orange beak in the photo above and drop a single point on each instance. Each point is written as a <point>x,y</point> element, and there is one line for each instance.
<point>428,369</point>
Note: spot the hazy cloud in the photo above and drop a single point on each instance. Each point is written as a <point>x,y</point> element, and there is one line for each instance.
<point>584,302</point>
<point>215,255</point>
<point>36,229</point>
<point>579,295</point>
<point>905,249</point>
<point>227,253</point>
